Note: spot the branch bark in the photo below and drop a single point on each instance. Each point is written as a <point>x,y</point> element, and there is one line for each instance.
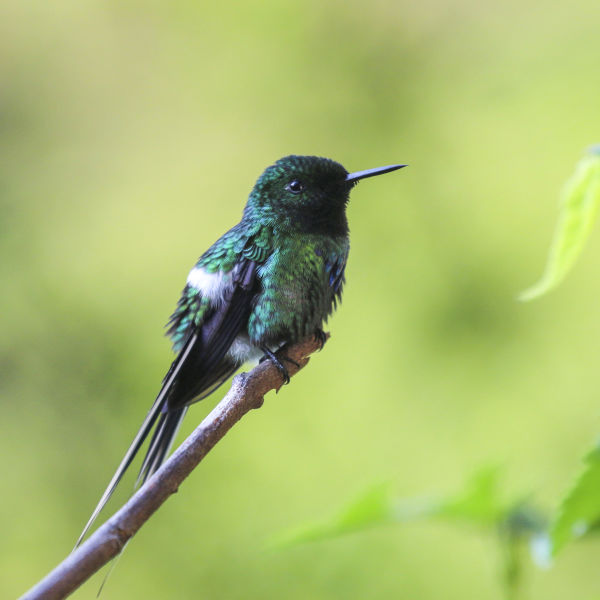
<point>247,392</point>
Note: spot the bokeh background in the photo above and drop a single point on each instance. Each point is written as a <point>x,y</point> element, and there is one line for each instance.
<point>131,133</point>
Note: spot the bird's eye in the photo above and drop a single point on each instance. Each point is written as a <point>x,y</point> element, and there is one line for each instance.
<point>295,186</point>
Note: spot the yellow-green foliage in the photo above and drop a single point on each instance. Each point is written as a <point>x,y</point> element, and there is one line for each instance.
<point>579,207</point>
<point>131,134</point>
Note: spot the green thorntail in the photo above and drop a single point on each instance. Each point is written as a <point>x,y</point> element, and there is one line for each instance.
<point>272,279</point>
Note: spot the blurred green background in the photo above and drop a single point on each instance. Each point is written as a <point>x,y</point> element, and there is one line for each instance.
<point>131,133</point>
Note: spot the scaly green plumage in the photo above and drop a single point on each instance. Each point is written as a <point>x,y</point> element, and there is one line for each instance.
<point>274,278</point>
<point>294,303</point>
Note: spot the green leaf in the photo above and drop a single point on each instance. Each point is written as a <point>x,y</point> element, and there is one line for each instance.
<point>579,512</point>
<point>479,502</point>
<point>374,507</point>
<point>579,206</point>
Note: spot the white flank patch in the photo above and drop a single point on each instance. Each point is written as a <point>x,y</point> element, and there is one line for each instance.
<point>243,351</point>
<point>212,285</point>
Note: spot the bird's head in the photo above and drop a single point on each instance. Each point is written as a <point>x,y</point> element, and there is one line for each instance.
<point>308,193</point>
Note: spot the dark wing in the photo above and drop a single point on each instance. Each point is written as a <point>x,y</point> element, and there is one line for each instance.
<point>207,363</point>
<point>335,267</point>
<point>201,366</point>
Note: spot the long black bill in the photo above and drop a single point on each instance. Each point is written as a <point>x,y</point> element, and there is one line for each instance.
<point>351,177</point>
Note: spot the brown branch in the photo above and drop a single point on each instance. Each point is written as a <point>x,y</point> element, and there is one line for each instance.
<point>246,393</point>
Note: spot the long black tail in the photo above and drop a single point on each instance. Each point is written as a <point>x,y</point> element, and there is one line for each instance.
<point>139,439</point>
<point>164,419</point>
<point>161,442</point>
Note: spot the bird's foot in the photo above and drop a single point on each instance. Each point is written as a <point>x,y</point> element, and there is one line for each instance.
<point>321,337</point>
<point>269,354</point>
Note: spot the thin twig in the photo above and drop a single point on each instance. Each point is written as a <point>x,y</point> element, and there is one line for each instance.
<point>246,393</point>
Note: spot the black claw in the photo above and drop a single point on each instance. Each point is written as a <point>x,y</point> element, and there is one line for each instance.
<point>280,366</point>
<point>290,360</point>
<point>321,337</point>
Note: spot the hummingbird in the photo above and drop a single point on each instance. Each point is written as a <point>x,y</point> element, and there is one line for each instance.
<point>272,279</point>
